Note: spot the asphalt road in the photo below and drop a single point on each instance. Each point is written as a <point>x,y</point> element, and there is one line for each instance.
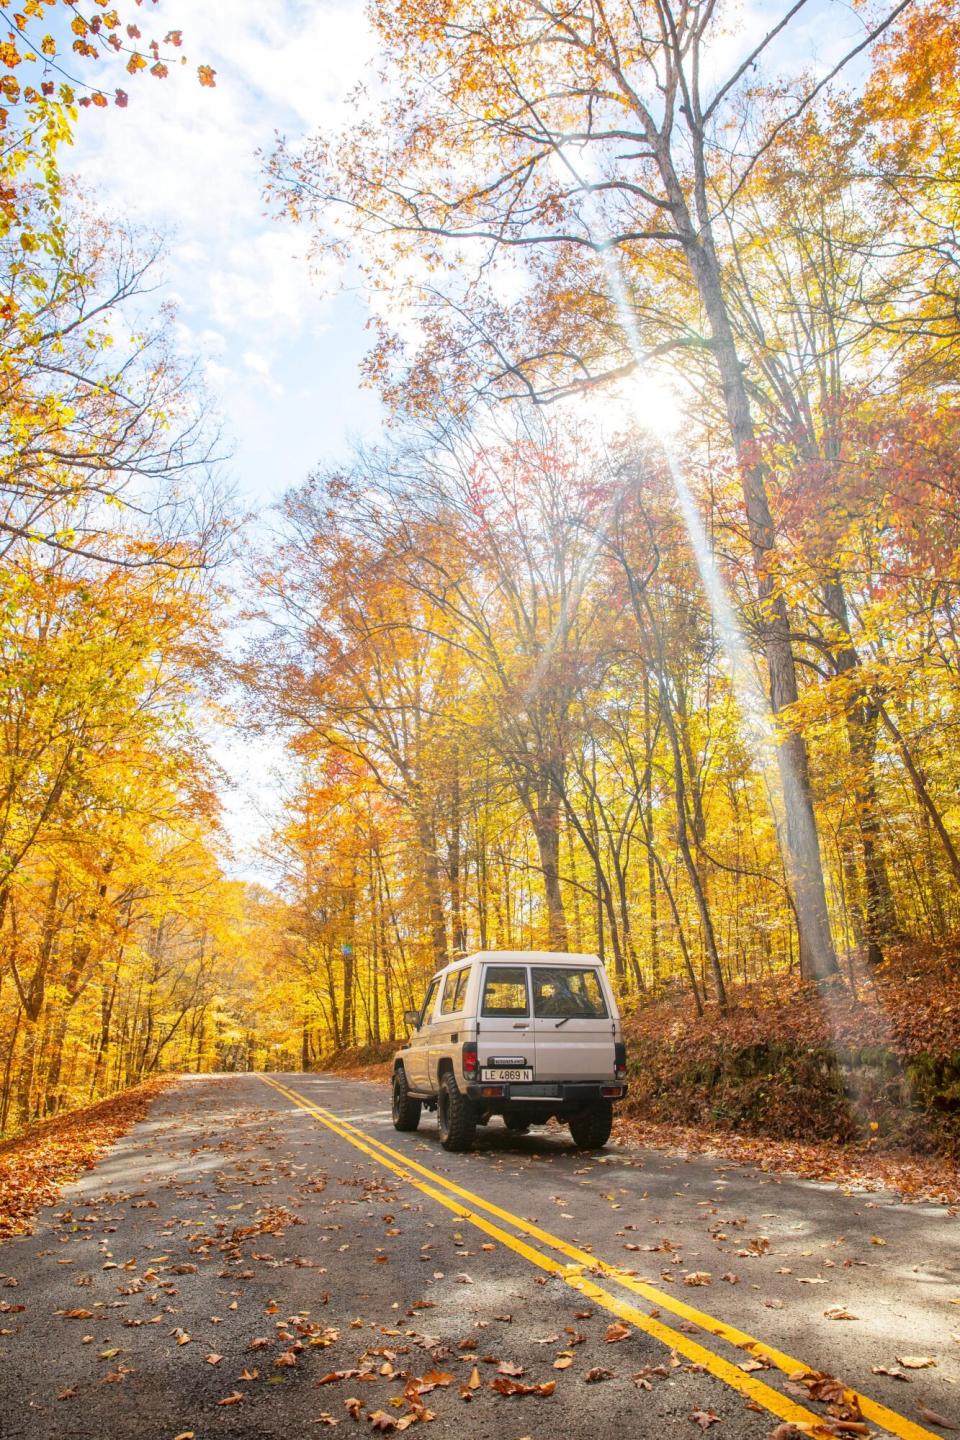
<point>238,1248</point>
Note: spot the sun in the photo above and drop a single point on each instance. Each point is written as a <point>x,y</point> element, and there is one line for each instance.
<point>642,399</point>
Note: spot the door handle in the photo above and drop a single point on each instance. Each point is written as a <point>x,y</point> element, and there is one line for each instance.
<point>521,1027</point>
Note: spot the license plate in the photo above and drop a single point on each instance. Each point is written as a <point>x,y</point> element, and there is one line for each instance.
<point>501,1072</point>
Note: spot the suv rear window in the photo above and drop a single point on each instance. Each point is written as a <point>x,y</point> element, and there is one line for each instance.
<point>505,991</point>
<point>563,992</point>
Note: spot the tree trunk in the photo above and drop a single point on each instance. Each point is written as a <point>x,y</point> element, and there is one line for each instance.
<point>818,958</point>
<point>878,912</point>
<point>922,793</point>
<point>545,818</point>
<point>434,893</point>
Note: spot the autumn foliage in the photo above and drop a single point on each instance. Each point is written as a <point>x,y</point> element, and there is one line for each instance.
<point>555,667</point>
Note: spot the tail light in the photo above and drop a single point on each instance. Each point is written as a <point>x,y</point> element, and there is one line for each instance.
<point>471,1065</point>
<point>620,1060</point>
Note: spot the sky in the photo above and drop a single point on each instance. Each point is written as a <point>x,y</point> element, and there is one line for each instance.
<point>279,343</point>
<point>279,348</point>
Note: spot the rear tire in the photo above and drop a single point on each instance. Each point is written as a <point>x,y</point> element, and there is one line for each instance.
<point>516,1124</point>
<point>591,1128</point>
<point>406,1110</point>
<point>456,1117</point>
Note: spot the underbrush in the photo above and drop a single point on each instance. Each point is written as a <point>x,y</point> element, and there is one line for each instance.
<point>873,1056</point>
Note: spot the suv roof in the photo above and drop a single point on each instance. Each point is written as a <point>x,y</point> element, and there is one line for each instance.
<point>526,957</point>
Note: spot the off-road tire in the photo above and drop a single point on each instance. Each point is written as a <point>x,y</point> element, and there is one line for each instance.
<point>406,1110</point>
<point>456,1117</point>
<point>516,1124</point>
<point>591,1128</point>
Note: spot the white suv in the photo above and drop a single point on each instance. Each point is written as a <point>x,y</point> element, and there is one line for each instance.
<point>523,1034</point>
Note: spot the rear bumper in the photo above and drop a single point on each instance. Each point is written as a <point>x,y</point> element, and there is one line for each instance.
<point>569,1096</point>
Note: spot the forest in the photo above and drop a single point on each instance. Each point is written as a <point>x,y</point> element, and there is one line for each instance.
<point>637,633</point>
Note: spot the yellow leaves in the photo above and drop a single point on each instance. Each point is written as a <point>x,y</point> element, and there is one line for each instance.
<point>136,62</point>
<point>9,54</point>
<point>48,45</point>
<point>206,76</point>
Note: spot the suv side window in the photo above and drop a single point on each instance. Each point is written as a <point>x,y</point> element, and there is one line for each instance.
<point>454,992</point>
<point>505,991</point>
<point>427,1010</point>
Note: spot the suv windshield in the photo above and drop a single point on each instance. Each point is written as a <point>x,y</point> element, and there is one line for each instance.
<point>562,992</point>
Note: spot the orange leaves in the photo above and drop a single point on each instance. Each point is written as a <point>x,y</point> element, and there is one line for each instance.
<point>206,76</point>
<point>33,1169</point>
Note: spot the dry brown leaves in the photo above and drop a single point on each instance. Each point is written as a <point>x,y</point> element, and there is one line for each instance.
<point>917,1179</point>
<point>34,1165</point>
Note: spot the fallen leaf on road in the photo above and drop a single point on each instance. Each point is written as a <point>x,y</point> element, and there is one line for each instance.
<point>893,1372</point>
<point>78,1314</point>
<point>474,1382</point>
<point>839,1312</point>
<point>432,1379</point>
<point>597,1373</point>
<point>932,1418</point>
<point>505,1386</point>
<point>233,1399</point>
<point>698,1277</point>
<point>563,1362</point>
<point>249,1375</point>
<point>916,1362</point>
<point>507,1367</point>
<point>705,1418</point>
<point>67,1394</point>
<point>616,1332</point>
<point>380,1420</point>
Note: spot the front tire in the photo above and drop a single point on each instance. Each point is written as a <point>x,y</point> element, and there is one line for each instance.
<point>456,1118</point>
<point>591,1128</point>
<point>406,1110</point>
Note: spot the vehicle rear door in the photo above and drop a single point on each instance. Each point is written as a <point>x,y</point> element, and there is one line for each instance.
<point>573,1024</point>
<point>505,1042</point>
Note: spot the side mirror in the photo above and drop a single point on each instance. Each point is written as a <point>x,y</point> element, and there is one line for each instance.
<point>411,1018</point>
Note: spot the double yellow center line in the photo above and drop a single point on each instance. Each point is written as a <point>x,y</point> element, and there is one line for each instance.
<point>580,1266</point>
